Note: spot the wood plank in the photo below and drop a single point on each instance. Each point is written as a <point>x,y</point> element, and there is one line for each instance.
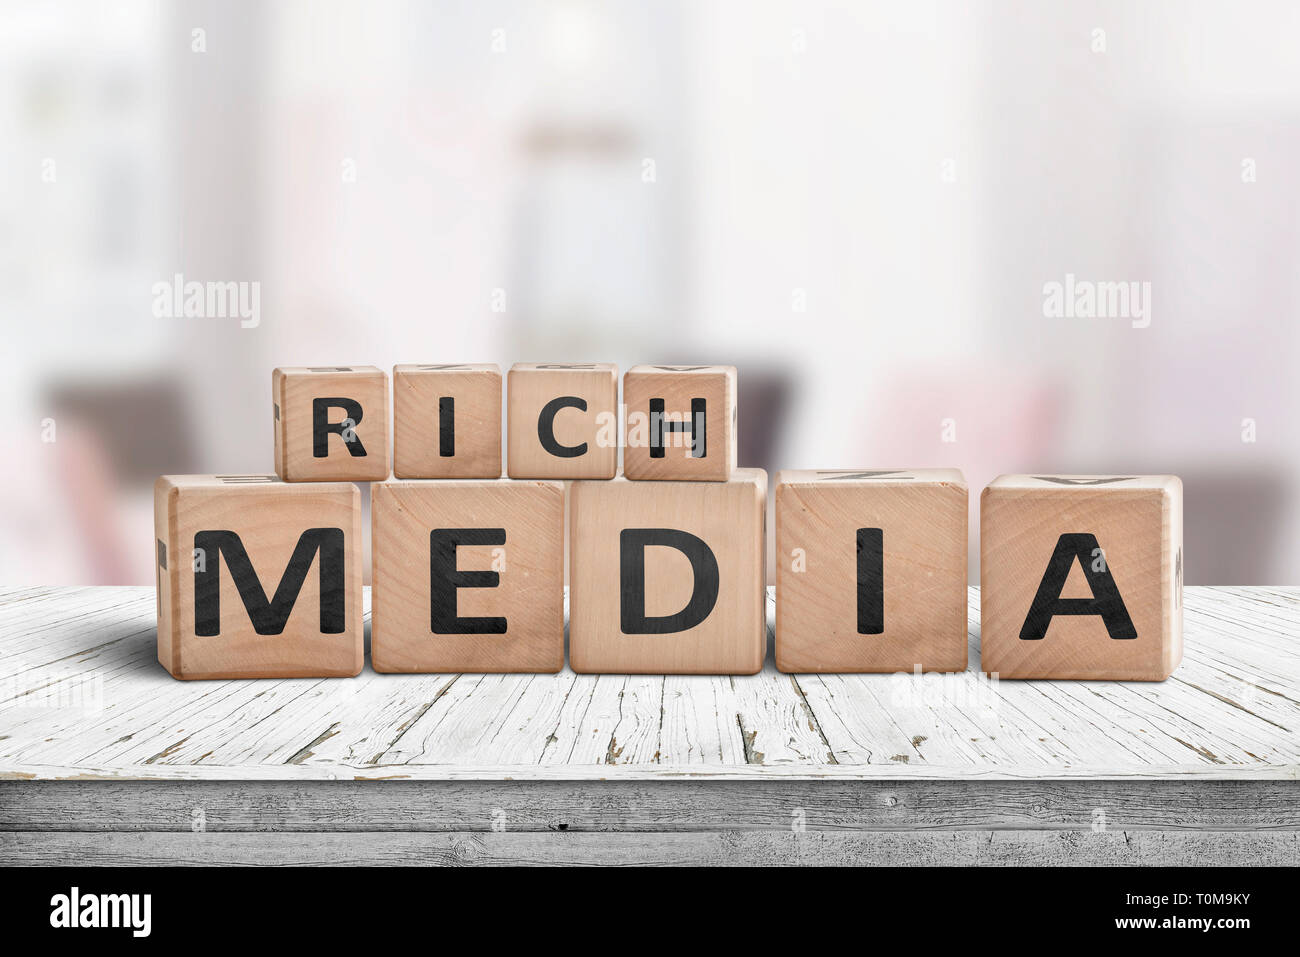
<point>1229,713</point>
<point>639,805</point>
<point>766,848</point>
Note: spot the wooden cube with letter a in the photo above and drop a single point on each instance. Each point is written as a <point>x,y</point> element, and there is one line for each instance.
<point>257,578</point>
<point>468,576</point>
<point>447,421</point>
<point>871,570</point>
<point>1082,576</point>
<point>562,420</point>
<point>681,423</point>
<point>331,423</point>
<point>668,577</point>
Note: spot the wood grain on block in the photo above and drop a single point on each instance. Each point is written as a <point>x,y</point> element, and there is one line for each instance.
<point>871,570</point>
<point>562,420</point>
<point>447,421</point>
<point>468,576</point>
<point>257,578</point>
<point>667,577</point>
<point>680,423</point>
<point>331,423</point>
<point>1082,576</point>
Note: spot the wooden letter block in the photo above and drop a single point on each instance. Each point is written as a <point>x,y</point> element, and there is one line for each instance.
<point>871,570</point>
<point>331,423</point>
<point>468,576</point>
<point>447,421</point>
<point>681,423</point>
<point>1082,576</point>
<point>563,421</point>
<point>257,578</point>
<point>668,577</point>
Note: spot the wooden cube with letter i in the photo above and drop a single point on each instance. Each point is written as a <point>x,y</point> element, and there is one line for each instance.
<point>1081,576</point>
<point>468,576</point>
<point>668,577</point>
<point>447,421</point>
<point>871,570</point>
<point>681,423</point>
<point>562,420</point>
<point>258,578</point>
<point>331,423</point>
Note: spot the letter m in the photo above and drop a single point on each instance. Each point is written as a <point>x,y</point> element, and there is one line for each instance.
<point>269,617</point>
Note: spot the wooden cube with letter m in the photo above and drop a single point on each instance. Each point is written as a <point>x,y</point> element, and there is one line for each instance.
<point>331,423</point>
<point>257,578</point>
<point>1081,576</point>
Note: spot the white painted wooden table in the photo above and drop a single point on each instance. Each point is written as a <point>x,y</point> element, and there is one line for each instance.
<point>105,758</point>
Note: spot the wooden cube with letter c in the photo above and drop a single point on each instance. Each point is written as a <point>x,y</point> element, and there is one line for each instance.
<point>447,421</point>
<point>871,570</point>
<point>468,576</point>
<point>681,423</point>
<point>1081,576</point>
<point>258,578</point>
<point>668,577</point>
<point>331,423</point>
<point>562,420</point>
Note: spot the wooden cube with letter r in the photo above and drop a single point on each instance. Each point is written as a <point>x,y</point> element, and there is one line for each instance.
<point>681,423</point>
<point>871,570</point>
<point>668,577</point>
<point>331,423</point>
<point>468,576</point>
<point>1081,576</point>
<point>257,578</point>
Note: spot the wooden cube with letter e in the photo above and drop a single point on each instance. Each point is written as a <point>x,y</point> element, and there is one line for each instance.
<point>668,577</point>
<point>681,423</point>
<point>1081,576</point>
<point>258,578</point>
<point>562,420</point>
<point>871,570</point>
<point>447,421</point>
<point>468,576</point>
<point>331,423</point>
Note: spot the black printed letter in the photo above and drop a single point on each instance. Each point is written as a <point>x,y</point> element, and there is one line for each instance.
<point>704,568</point>
<point>871,581</point>
<point>269,618</point>
<point>321,427</point>
<point>546,427</point>
<point>444,579</point>
<point>1105,600</point>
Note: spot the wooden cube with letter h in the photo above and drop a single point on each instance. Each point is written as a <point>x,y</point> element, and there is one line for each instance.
<point>447,421</point>
<point>1081,576</point>
<point>668,577</point>
<point>331,423</point>
<point>562,420</point>
<point>681,423</point>
<point>258,578</point>
<point>468,576</point>
<point>871,570</point>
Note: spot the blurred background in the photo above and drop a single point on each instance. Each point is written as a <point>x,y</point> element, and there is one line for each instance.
<point>860,205</point>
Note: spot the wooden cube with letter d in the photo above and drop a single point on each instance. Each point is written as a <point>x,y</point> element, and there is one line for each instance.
<point>871,570</point>
<point>257,578</point>
<point>1081,576</point>
<point>668,577</point>
<point>468,576</point>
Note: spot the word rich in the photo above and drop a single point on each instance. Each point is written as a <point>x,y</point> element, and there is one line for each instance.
<point>260,575</point>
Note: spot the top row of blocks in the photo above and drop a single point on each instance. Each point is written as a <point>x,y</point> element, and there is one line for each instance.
<point>331,422</point>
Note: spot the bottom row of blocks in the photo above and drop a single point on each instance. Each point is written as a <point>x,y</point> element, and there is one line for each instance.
<point>1081,576</point>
